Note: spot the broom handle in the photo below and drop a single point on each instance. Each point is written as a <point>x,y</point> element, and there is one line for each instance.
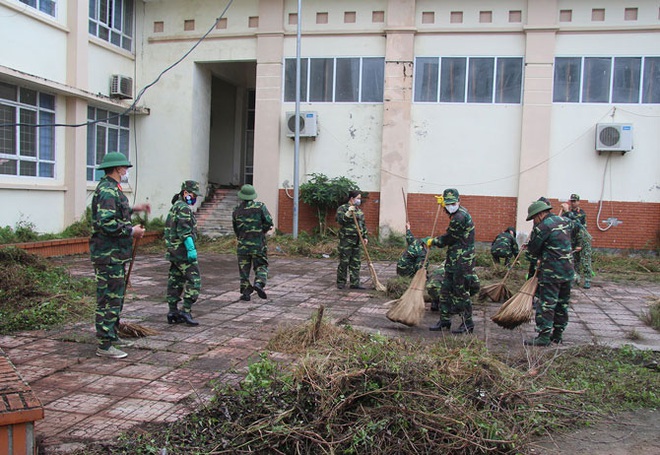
<point>512,265</point>
<point>130,267</point>
<point>359,231</point>
<point>405,203</point>
<point>435,222</point>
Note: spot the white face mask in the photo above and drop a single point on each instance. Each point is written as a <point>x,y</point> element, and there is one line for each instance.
<point>124,178</point>
<point>451,208</point>
<point>357,201</point>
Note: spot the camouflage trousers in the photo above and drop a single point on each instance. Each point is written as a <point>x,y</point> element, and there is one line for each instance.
<point>455,290</point>
<point>257,261</point>
<point>349,261</point>
<point>582,261</point>
<point>183,279</point>
<point>552,307</point>
<point>110,291</point>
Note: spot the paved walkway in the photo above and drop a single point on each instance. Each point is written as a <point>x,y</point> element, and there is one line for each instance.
<point>167,375</point>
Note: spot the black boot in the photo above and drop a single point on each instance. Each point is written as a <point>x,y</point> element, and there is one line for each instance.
<point>464,328</point>
<point>259,287</point>
<point>435,306</point>
<point>245,293</point>
<point>440,325</point>
<point>174,317</point>
<point>187,318</point>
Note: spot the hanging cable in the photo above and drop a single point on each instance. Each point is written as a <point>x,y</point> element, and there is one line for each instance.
<point>600,202</point>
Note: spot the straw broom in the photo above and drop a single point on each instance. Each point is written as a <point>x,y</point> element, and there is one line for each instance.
<point>409,308</point>
<point>498,292</point>
<point>129,329</point>
<point>377,284</point>
<point>519,308</point>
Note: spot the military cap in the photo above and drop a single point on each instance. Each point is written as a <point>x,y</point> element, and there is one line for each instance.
<point>190,186</point>
<point>535,208</point>
<point>114,159</point>
<point>575,197</point>
<point>450,196</point>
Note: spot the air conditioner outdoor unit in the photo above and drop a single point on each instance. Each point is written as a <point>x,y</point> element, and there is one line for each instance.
<point>307,121</point>
<point>121,87</point>
<point>614,137</point>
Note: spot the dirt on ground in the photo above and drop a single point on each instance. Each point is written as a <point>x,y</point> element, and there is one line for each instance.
<point>636,432</point>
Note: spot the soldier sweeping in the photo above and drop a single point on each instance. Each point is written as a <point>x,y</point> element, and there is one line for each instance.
<point>504,246</point>
<point>110,246</point>
<point>180,235</point>
<point>251,221</point>
<point>413,257</point>
<point>550,241</point>
<point>459,279</point>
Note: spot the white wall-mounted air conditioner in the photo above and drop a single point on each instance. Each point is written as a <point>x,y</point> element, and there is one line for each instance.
<point>308,122</point>
<point>121,87</point>
<point>614,137</point>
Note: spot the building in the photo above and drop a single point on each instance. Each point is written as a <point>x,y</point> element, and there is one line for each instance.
<point>501,100</point>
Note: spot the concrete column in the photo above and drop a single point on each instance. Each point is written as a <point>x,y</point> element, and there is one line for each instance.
<point>540,30</point>
<point>270,40</point>
<point>75,152</point>
<point>397,106</point>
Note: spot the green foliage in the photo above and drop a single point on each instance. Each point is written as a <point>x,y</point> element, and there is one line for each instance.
<point>652,315</point>
<point>36,295</point>
<point>324,193</point>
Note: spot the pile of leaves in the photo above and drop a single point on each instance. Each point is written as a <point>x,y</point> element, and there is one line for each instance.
<point>34,294</point>
<point>349,392</point>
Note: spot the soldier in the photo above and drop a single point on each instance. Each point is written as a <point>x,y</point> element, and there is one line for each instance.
<point>575,212</point>
<point>459,280</point>
<point>251,221</point>
<point>110,246</point>
<point>180,235</point>
<point>581,244</point>
<point>349,240</point>
<point>504,246</point>
<point>550,241</point>
<point>413,258</point>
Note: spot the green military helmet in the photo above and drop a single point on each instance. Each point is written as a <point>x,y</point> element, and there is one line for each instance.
<point>450,196</point>
<point>535,208</point>
<point>114,159</point>
<point>190,186</point>
<point>247,193</point>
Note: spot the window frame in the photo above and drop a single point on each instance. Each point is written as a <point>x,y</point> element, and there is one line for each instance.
<point>111,20</point>
<point>114,126</point>
<point>48,7</point>
<point>33,147</point>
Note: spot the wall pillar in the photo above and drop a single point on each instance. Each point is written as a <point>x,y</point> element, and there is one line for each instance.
<point>533,177</point>
<point>397,107</point>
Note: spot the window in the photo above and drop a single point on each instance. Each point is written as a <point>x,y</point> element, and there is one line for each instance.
<point>475,79</point>
<point>607,80</point>
<point>45,6</point>
<point>25,149</point>
<point>345,80</point>
<point>106,132</point>
<point>112,21</point>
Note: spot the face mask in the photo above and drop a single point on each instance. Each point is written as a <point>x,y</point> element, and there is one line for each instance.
<point>452,208</point>
<point>190,200</point>
<point>124,178</point>
<point>357,202</point>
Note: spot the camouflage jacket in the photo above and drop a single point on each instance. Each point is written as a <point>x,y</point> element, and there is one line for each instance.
<point>412,259</point>
<point>111,241</point>
<point>347,229</point>
<point>550,241</point>
<point>580,237</point>
<point>180,224</point>
<point>459,239</point>
<point>577,214</point>
<point>504,245</point>
<point>251,220</point>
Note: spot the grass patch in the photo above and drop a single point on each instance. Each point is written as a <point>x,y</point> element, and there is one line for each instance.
<point>349,392</point>
<point>652,315</point>
<point>36,295</point>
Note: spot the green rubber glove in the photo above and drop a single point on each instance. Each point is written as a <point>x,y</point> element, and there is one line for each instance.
<point>190,247</point>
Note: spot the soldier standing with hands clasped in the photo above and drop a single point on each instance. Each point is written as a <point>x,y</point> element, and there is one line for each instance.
<point>349,240</point>
<point>251,220</point>
<point>180,235</point>
<point>110,246</point>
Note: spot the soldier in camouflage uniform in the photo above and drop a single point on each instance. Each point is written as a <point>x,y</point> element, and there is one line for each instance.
<point>504,246</point>
<point>180,235</point>
<point>581,253</point>
<point>413,258</point>
<point>110,246</point>
<point>550,241</point>
<point>459,280</point>
<point>576,213</point>
<point>434,286</point>
<point>251,221</point>
<point>349,241</point>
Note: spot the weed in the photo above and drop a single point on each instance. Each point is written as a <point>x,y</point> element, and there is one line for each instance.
<point>634,335</point>
<point>652,315</point>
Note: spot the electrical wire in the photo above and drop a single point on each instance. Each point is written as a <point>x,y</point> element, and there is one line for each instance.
<point>137,98</point>
<point>600,202</point>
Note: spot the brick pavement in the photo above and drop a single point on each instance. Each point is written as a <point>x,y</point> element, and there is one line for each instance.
<point>170,374</point>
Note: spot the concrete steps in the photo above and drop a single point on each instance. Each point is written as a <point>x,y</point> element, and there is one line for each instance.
<point>214,215</point>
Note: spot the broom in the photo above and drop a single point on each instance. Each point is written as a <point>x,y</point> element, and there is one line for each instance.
<point>409,308</point>
<point>129,329</point>
<point>519,308</point>
<point>498,292</point>
<point>377,284</point>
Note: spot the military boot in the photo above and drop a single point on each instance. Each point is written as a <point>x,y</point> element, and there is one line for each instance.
<point>465,327</point>
<point>245,293</point>
<point>435,305</point>
<point>187,318</point>
<point>556,336</point>
<point>543,339</point>
<point>587,284</point>
<point>259,287</point>
<point>441,325</point>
